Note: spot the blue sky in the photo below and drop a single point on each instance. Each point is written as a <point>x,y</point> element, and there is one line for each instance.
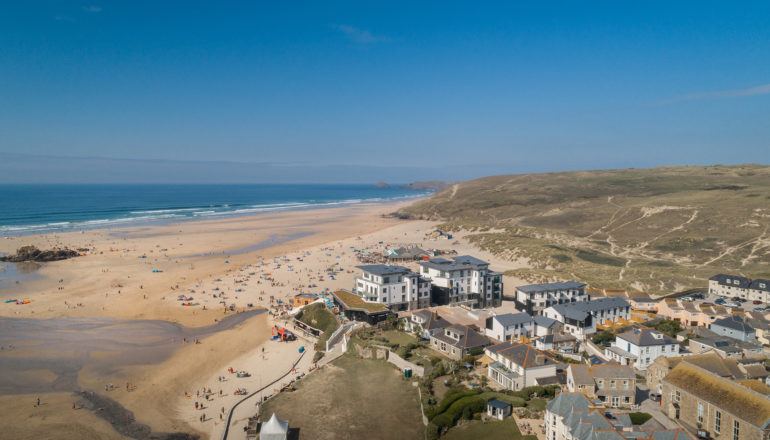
<point>515,86</point>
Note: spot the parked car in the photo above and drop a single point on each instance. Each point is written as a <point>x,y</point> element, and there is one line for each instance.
<point>756,302</point>
<point>720,301</point>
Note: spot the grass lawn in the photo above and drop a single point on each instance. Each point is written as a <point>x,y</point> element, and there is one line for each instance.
<point>317,316</point>
<point>399,337</point>
<point>537,404</point>
<point>352,398</point>
<point>493,430</point>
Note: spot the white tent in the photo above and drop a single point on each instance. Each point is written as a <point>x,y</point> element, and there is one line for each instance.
<point>274,429</point>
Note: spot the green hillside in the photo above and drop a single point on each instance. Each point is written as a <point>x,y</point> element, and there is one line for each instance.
<point>654,230</point>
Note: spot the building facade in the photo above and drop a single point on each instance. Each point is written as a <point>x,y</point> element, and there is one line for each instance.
<point>509,326</point>
<point>612,384</point>
<point>397,287</point>
<point>463,280</point>
<point>734,327</point>
<point>640,347</point>
<point>714,406</point>
<point>580,318</point>
<point>534,298</point>
<point>458,341</point>
<point>517,366</point>
<point>742,287</point>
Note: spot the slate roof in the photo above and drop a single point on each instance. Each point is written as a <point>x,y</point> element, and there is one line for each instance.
<point>723,393</point>
<point>522,354</point>
<point>545,287</point>
<point>544,321</point>
<point>384,269</point>
<point>722,278</point>
<point>566,403</point>
<point>580,310</point>
<point>586,423</point>
<point>734,323</point>
<point>432,320</point>
<point>469,338</point>
<point>757,285</point>
<point>499,404</point>
<point>509,319</point>
<point>646,337</point>
<point>457,263</point>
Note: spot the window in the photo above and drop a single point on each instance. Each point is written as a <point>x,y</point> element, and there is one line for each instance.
<point>718,422</point>
<point>736,430</point>
<point>677,396</point>
<point>700,412</point>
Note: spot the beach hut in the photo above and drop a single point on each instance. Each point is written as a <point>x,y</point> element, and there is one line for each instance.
<point>274,429</point>
<point>497,409</point>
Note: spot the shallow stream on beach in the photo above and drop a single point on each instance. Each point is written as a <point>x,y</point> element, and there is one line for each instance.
<point>45,355</point>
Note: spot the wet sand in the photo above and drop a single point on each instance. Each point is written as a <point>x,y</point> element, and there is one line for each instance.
<point>40,356</point>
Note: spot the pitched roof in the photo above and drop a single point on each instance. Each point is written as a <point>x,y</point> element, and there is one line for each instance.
<point>469,338</point>
<point>725,394</point>
<point>756,385</point>
<point>509,319</point>
<point>544,321</point>
<point>646,337</point>
<point>580,310</point>
<point>735,323</point>
<point>432,320</point>
<point>522,354</point>
<point>563,285</point>
<point>729,280</point>
<point>759,283</point>
<point>566,403</point>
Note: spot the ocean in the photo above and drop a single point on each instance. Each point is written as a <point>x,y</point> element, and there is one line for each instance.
<point>28,209</point>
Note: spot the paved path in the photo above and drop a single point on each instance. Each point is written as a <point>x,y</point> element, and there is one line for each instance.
<point>232,410</point>
<point>653,408</point>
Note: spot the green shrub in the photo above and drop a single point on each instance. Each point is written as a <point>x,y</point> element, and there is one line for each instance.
<point>639,418</point>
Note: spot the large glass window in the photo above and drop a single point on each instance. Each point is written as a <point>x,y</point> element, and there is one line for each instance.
<point>736,430</point>
<point>718,422</point>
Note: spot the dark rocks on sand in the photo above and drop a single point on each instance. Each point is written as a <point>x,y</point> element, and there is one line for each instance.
<point>32,253</point>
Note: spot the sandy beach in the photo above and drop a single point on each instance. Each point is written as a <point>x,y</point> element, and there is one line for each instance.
<point>218,268</point>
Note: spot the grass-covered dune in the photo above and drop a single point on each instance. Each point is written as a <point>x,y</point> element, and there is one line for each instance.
<point>655,230</point>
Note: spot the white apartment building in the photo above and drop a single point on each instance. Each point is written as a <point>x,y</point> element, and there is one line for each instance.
<point>639,348</point>
<point>742,287</point>
<point>509,326</point>
<point>580,318</point>
<point>395,286</point>
<point>534,298</point>
<point>463,280</point>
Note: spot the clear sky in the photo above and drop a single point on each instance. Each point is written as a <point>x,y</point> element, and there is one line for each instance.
<point>519,86</point>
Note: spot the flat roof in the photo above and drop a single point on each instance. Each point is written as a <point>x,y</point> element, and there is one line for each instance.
<point>351,301</point>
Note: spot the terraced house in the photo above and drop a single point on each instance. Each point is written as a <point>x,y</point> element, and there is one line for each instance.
<point>463,280</point>
<point>715,407</point>
<point>742,287</point>
<point>534,298</point>
<point>397,287</point>
<point>580,318</point>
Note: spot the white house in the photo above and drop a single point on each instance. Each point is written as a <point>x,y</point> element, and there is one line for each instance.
<point>395,286</point>
<point>463,280</point>
<point>640,347</point>
<point>534,298</point>
<point>742,287</point>
<point>509,326</point>
<point>517,366</point>
<point>580,318</point>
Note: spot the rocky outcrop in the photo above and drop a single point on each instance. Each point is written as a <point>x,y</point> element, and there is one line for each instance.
<point>32,253</point>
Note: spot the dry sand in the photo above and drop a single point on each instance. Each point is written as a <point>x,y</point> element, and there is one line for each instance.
<point>230,262</point>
